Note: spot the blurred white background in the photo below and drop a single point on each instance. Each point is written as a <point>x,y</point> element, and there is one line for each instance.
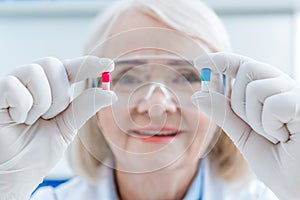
<point>266,30</point>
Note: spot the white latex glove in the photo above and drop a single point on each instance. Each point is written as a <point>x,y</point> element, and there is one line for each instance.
<point>38,121</point>
<point>262,118</point>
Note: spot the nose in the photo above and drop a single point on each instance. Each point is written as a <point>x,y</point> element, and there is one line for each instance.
<point>157,101</point>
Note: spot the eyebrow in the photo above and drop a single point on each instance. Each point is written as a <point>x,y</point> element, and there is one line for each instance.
<point>131,62</point>
<point>177,62</point>
<point>173,62</point>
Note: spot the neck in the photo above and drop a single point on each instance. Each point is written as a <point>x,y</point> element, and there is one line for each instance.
<point>168,183</point>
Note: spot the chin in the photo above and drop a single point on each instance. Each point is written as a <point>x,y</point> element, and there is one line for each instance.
<point>151,162</point>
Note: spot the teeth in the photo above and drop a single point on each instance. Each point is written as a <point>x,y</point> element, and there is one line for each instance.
<point>157,133</point>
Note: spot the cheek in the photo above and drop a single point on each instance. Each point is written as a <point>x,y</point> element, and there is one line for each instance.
<point>111,127</point>
<point>203,130</point>
<point>204,124</point>
<point>198,121</point>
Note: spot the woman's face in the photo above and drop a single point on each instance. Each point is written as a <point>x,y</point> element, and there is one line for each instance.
<point>153,124</point>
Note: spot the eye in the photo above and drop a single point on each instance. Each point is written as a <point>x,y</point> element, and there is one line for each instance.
<point>127,79</point>
<point>187,77</point>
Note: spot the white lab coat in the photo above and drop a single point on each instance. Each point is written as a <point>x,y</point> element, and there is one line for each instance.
<point>214,189</point>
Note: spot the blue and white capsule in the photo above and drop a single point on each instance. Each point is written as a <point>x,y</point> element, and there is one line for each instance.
<point>205,79</point>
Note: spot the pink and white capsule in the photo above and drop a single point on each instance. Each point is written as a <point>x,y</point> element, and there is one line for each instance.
<point>106,81</point>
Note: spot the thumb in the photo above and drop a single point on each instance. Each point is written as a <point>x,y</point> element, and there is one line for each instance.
<point>218,108</point>
<point>84,107</point>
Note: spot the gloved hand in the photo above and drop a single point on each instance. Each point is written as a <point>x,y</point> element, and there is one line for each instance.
<point>262,118</point>
<point>38,121</point>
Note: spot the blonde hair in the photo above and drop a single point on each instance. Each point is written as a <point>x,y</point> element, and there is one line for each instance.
<point>188,17</point>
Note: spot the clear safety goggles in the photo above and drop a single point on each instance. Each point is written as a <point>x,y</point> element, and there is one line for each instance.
<point>137,78</point>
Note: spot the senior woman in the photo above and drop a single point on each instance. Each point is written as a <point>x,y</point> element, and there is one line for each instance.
<point>138,34</point>
<point>152,142</point>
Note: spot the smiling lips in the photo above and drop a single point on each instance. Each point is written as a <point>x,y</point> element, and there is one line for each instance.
<point>155,135</point>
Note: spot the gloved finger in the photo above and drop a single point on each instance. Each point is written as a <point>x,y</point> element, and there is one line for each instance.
<point>5,117</point>
<point>243,69</point>
<point>253,146</point>
<point>15,100</point>
<point>256,94</point>
<point>281,115</point>
<point>35,80</point>
<point>248,73</point>
<point>223,63</point>
<point>232,64</point>
<point>218,108</point>
<point>81,68</point>
<point>59,85</point>
<point>82,108</point>
<point>264,158</point>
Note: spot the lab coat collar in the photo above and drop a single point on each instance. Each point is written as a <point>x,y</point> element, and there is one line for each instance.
<point>108,188</point>
<point>214,188</point>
